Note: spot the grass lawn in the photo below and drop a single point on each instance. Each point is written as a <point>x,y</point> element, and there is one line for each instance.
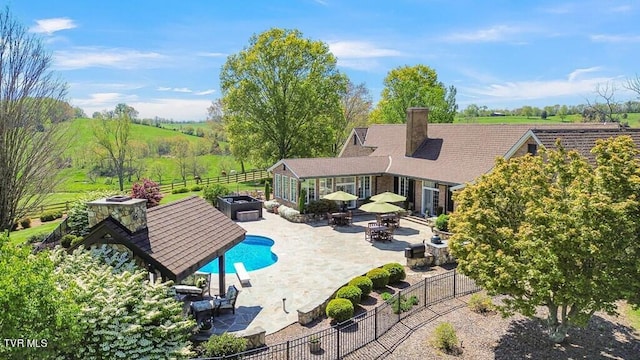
<point>20,236</point>
<point>634,317</point>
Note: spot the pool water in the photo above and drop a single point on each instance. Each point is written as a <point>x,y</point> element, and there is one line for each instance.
<point>254,252</point>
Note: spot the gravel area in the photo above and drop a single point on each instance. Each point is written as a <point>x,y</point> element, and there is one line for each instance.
<point>485,336</point>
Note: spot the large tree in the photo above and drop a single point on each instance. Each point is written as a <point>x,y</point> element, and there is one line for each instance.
<point>281,97</point>
<point>412,86</point>
<point>112,132</point>
<point>31,141</point>
<point>356,106</point>
<point>554,231</point>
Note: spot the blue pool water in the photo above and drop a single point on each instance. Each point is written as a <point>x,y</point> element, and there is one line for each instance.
<point>254,252</point>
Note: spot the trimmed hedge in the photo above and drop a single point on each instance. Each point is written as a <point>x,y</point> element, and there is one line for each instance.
<point>67,240</point>
<point>50,216</point>
<point>396,272</point>
<point>363,283</point>
<point>181,190</point>
<point>442,222</point>
<point>340,310</point>
<point>444,337</point>
<point>351,293</point>
<point>25,223</point>
<point>224,345</point>
<point>379,277</point>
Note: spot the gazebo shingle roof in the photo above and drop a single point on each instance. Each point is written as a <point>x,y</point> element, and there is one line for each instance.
<point>180,237</point>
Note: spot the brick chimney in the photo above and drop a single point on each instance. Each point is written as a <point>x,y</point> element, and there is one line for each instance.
<point>417,119</point>
<point>131,213</point>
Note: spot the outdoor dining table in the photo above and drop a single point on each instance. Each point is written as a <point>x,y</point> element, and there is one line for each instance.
<point>389,220</point>
<point>380,233</point>
<point>340,218</point>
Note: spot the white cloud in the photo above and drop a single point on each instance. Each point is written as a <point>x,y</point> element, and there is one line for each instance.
<point>560,9</point>
<point>49,26</point>
<point>177,109</point>
<point>81,58</point>
<point>212,54</point>
<point>360,50</point>
<point>615,38</point>
<point>492,34</point>
<point>163,88</point>
<point>538,89</point>
<point>205,92</point>
<point>182,90</point>
<point>577,72</point>
<point>621,8</point>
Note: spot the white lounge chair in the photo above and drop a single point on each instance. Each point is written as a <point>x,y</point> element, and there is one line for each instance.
<point>242,273</point>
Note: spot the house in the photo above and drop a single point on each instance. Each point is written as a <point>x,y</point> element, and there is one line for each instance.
<point>171,241</point>
<point>422,161</point>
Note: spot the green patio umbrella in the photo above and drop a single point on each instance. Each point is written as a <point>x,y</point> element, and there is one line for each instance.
<point>388,196</point>
<point>380,207</point>
<point>340,196</point>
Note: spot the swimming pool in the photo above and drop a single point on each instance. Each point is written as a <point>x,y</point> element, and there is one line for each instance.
<point>254,252</point>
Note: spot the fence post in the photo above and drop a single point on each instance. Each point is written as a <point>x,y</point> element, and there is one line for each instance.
<point>288,348</point>
<point>455,276</point>
<point>338,341</point>
<point>375,323</point>
<point>207,181</point>
<point>399,307</point>
<point>425,292</point>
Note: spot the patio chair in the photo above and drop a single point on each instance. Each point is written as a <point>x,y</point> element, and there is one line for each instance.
<point>368,233</point>
<point>349,217</point>
<point>330,219</point>
<point>227,302</point>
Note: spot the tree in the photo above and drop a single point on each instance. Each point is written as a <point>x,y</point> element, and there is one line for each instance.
<point>281,97</point>
<point>411,86</point>
<point>181,149</point>
<point>112,133</point>
<point>563,111</point>
<point>148,190</point>
<point>33,307</point>
<point>471,112</point>
<point>32,143</point>
<point>78,112</point>
<point>356,106</point>
<point>633,84</point>
<point>608,109</point>
<point>560,232</point>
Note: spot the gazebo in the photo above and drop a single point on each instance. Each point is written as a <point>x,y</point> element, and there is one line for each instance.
<point>172,241</point>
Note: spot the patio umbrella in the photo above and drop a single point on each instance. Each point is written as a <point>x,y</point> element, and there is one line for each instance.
<point>340,196</point>
<point>388,196</point>
<point>380,207</point>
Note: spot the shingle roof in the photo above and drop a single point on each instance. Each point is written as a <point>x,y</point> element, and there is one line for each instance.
<point>453,153</point>
<point>361,133</point>
<point>181,236</point>
<point>320,167</point>
<point>581,140</point>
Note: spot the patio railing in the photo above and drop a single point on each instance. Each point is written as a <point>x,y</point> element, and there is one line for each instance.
<point>351,335</point>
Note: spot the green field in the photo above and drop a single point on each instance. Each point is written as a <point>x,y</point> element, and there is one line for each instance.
<point>20,236</point>
<point>633,119</point>
<point>634,317</point>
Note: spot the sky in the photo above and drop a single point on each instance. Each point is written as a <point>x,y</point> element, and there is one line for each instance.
<point>164,57</point>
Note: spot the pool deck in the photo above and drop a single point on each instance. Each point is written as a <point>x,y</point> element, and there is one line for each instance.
<point>314,260</point>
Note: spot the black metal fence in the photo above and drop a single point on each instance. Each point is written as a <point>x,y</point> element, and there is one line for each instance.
<point>351,335</point>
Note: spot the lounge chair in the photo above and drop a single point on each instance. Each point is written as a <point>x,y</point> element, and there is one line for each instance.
<point>228,301</point>
<point>189,290</point>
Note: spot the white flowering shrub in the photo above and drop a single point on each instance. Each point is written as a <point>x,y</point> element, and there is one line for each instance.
<point>270,205</point>
<point>123,315</point>
<point>287,212</point>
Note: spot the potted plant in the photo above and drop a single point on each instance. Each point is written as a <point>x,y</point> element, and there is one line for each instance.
<point>314,343</point>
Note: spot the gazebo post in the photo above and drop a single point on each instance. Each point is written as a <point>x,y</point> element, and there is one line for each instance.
<point>221,275</point>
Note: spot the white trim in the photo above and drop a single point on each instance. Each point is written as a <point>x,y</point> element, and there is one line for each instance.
<point>282,162</point>
<point>528,135</point>
<point>346,142</point>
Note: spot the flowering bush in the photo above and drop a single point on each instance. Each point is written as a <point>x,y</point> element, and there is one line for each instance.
<point>123,315</point>
<point>148,190</point>
<point>287,212</point>
<point>270,205</point>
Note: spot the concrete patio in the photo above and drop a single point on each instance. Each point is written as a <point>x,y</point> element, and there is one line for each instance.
<point>313,261</point>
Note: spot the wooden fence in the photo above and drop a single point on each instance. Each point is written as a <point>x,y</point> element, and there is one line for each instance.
<point>252,175</point>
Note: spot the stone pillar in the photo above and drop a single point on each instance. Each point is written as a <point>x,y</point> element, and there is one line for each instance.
<point>131,213</point>
<point>417,119</point>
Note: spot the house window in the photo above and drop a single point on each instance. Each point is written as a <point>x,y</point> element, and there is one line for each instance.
<point>293,196</point>
<point>403,186</point>
<point>355,139</point>
<point>285,187</point>
<point>326,186</point>
<point>276,186</point>
<point>532,149</point>
<point>310,186</point>
<point>364,187</point>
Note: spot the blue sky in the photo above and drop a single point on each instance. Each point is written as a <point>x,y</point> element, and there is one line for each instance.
<point>164,57</point>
